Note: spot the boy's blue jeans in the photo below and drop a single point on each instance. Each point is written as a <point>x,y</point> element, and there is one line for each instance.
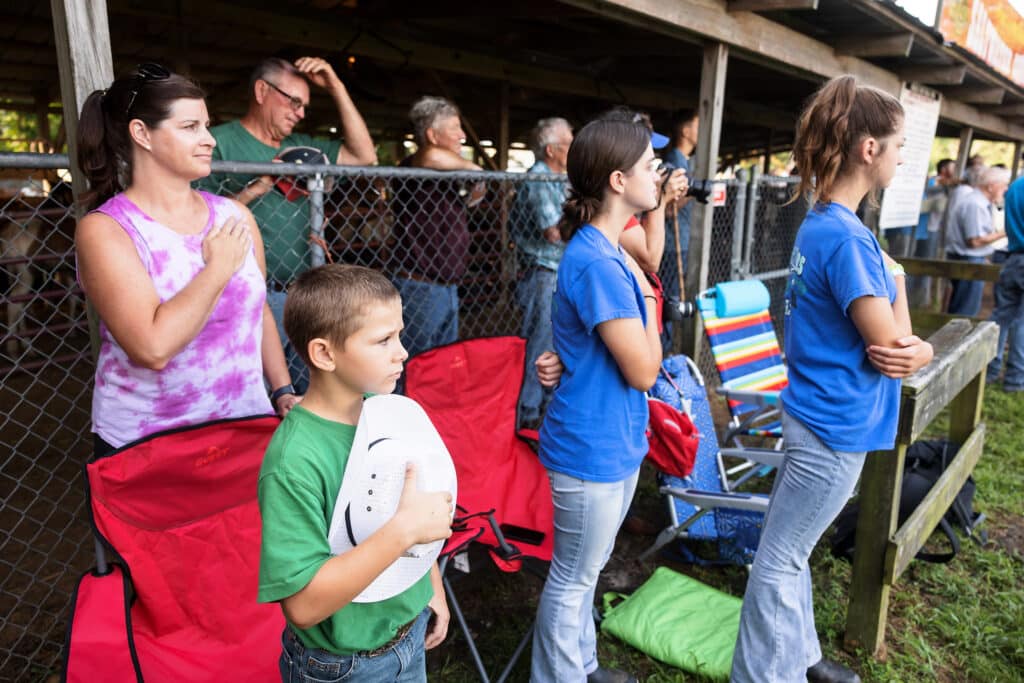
<point>777,641</point>
<point>588,515</point>
<point>403,662</point>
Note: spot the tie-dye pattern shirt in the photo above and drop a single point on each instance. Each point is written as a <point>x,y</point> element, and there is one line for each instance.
<point>219,374</point>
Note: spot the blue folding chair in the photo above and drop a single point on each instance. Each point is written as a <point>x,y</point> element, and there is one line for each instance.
<point>700,505</point>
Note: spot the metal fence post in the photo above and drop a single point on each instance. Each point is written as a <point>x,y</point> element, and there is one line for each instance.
<point>750,224</point>
<point>738,222</point>
<point>317,256</point>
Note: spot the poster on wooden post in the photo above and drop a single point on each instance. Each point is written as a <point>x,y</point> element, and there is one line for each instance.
<point>901,204</point>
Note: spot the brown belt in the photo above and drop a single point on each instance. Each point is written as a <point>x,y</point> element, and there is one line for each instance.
<point>399,634</point>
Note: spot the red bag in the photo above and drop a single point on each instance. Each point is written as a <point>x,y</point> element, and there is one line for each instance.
<point>672,439</point>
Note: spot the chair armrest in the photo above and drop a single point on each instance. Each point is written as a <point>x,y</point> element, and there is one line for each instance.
<point>765,399</point>
<point>764,456</point>
<point>709,501</point>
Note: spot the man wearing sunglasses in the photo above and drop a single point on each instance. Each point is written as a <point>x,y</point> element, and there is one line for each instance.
<point>278,99</point>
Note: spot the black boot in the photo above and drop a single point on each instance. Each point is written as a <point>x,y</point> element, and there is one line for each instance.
<point>827,671</point>
<point>603,675</point>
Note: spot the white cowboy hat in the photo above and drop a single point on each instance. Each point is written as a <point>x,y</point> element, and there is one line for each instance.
<point>393,430</point>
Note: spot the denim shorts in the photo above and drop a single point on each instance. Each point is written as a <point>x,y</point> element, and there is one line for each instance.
<point>402,662</point>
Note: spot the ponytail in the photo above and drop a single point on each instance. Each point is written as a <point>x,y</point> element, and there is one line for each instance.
<point>837,118</point>
<point>577,211</point>
<point>102,148</point>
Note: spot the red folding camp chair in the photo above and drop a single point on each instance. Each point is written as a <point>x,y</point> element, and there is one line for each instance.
<point>178,512</point>
<point>470,390</point>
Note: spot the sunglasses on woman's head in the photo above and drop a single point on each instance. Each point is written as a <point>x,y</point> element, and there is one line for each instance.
<point>145,73</point>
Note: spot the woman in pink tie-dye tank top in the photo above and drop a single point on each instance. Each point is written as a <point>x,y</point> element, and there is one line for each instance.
<point>176,275</point>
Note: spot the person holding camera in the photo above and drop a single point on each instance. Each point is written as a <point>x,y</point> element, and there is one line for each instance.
<point>593,437</point>
<point>685,126</point>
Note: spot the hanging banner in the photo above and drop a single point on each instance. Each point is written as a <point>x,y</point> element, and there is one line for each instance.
<point>901,204</point>
<point>991,29</point>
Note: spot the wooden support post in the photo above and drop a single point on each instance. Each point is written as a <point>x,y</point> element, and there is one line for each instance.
<point>964,150</point>
<point>712,96</point>
<point>965,410</point>
<point>1015,166</point>
<point>82,37</point>
<point>502,141</point>
<point>768,151</point>
<point>876,523</point>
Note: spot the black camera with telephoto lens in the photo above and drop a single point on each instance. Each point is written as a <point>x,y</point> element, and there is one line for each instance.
<point>698,189</point>
<point>675,310</point>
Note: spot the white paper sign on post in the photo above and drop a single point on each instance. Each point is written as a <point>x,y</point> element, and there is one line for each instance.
<point>901,204</point>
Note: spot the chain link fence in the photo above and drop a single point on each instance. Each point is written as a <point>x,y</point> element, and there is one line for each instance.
<point>448,240</point>
<point>46,373</point>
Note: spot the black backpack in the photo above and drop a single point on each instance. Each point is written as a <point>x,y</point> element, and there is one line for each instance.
<point>924,464</point>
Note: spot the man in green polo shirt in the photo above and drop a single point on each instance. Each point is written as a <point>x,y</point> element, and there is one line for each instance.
<point>278,97</point>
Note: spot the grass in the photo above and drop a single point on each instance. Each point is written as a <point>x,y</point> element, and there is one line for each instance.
<point>963,621</point>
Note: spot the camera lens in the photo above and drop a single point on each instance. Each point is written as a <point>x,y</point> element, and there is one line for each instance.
<point>699,190</point>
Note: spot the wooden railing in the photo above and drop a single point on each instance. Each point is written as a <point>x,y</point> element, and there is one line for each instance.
<point>932,319</point>
<point>955,377</point>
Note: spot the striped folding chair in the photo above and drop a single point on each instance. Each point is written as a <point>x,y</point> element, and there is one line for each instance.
<point>746,352</point>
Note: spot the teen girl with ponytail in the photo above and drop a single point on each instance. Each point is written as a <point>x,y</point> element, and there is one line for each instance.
<point>848,342</point>
<point>593,436</point>
<point>176,275</point>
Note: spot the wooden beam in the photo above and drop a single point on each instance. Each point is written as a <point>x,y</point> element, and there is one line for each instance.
<point>770,5</point>
<point>1009,109</point>
<point>776,46</point>
<point>931,389</point>
<point>972,94</point>
<point>935,75</point>
<point>875,45</point>
<point>710,106</point>
<point>956,270</point>
<point>764,41</point>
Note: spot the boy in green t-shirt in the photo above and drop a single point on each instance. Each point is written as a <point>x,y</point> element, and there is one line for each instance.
<point>345,322</point>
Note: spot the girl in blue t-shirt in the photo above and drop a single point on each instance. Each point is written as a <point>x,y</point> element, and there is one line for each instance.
<point>593,436</point>
<point>848,341</point>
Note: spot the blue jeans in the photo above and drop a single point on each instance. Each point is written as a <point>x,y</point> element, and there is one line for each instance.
<point>430,312</point>
<point>403,662</point>
<point>588,515</point>
<point>533,294</point>
<point>1009,314</point>
<point>777,641</point>
<point>297,369</point>
<point>966,298</point>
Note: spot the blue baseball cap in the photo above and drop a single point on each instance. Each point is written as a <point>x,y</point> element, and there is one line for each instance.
<point>658,140</point>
